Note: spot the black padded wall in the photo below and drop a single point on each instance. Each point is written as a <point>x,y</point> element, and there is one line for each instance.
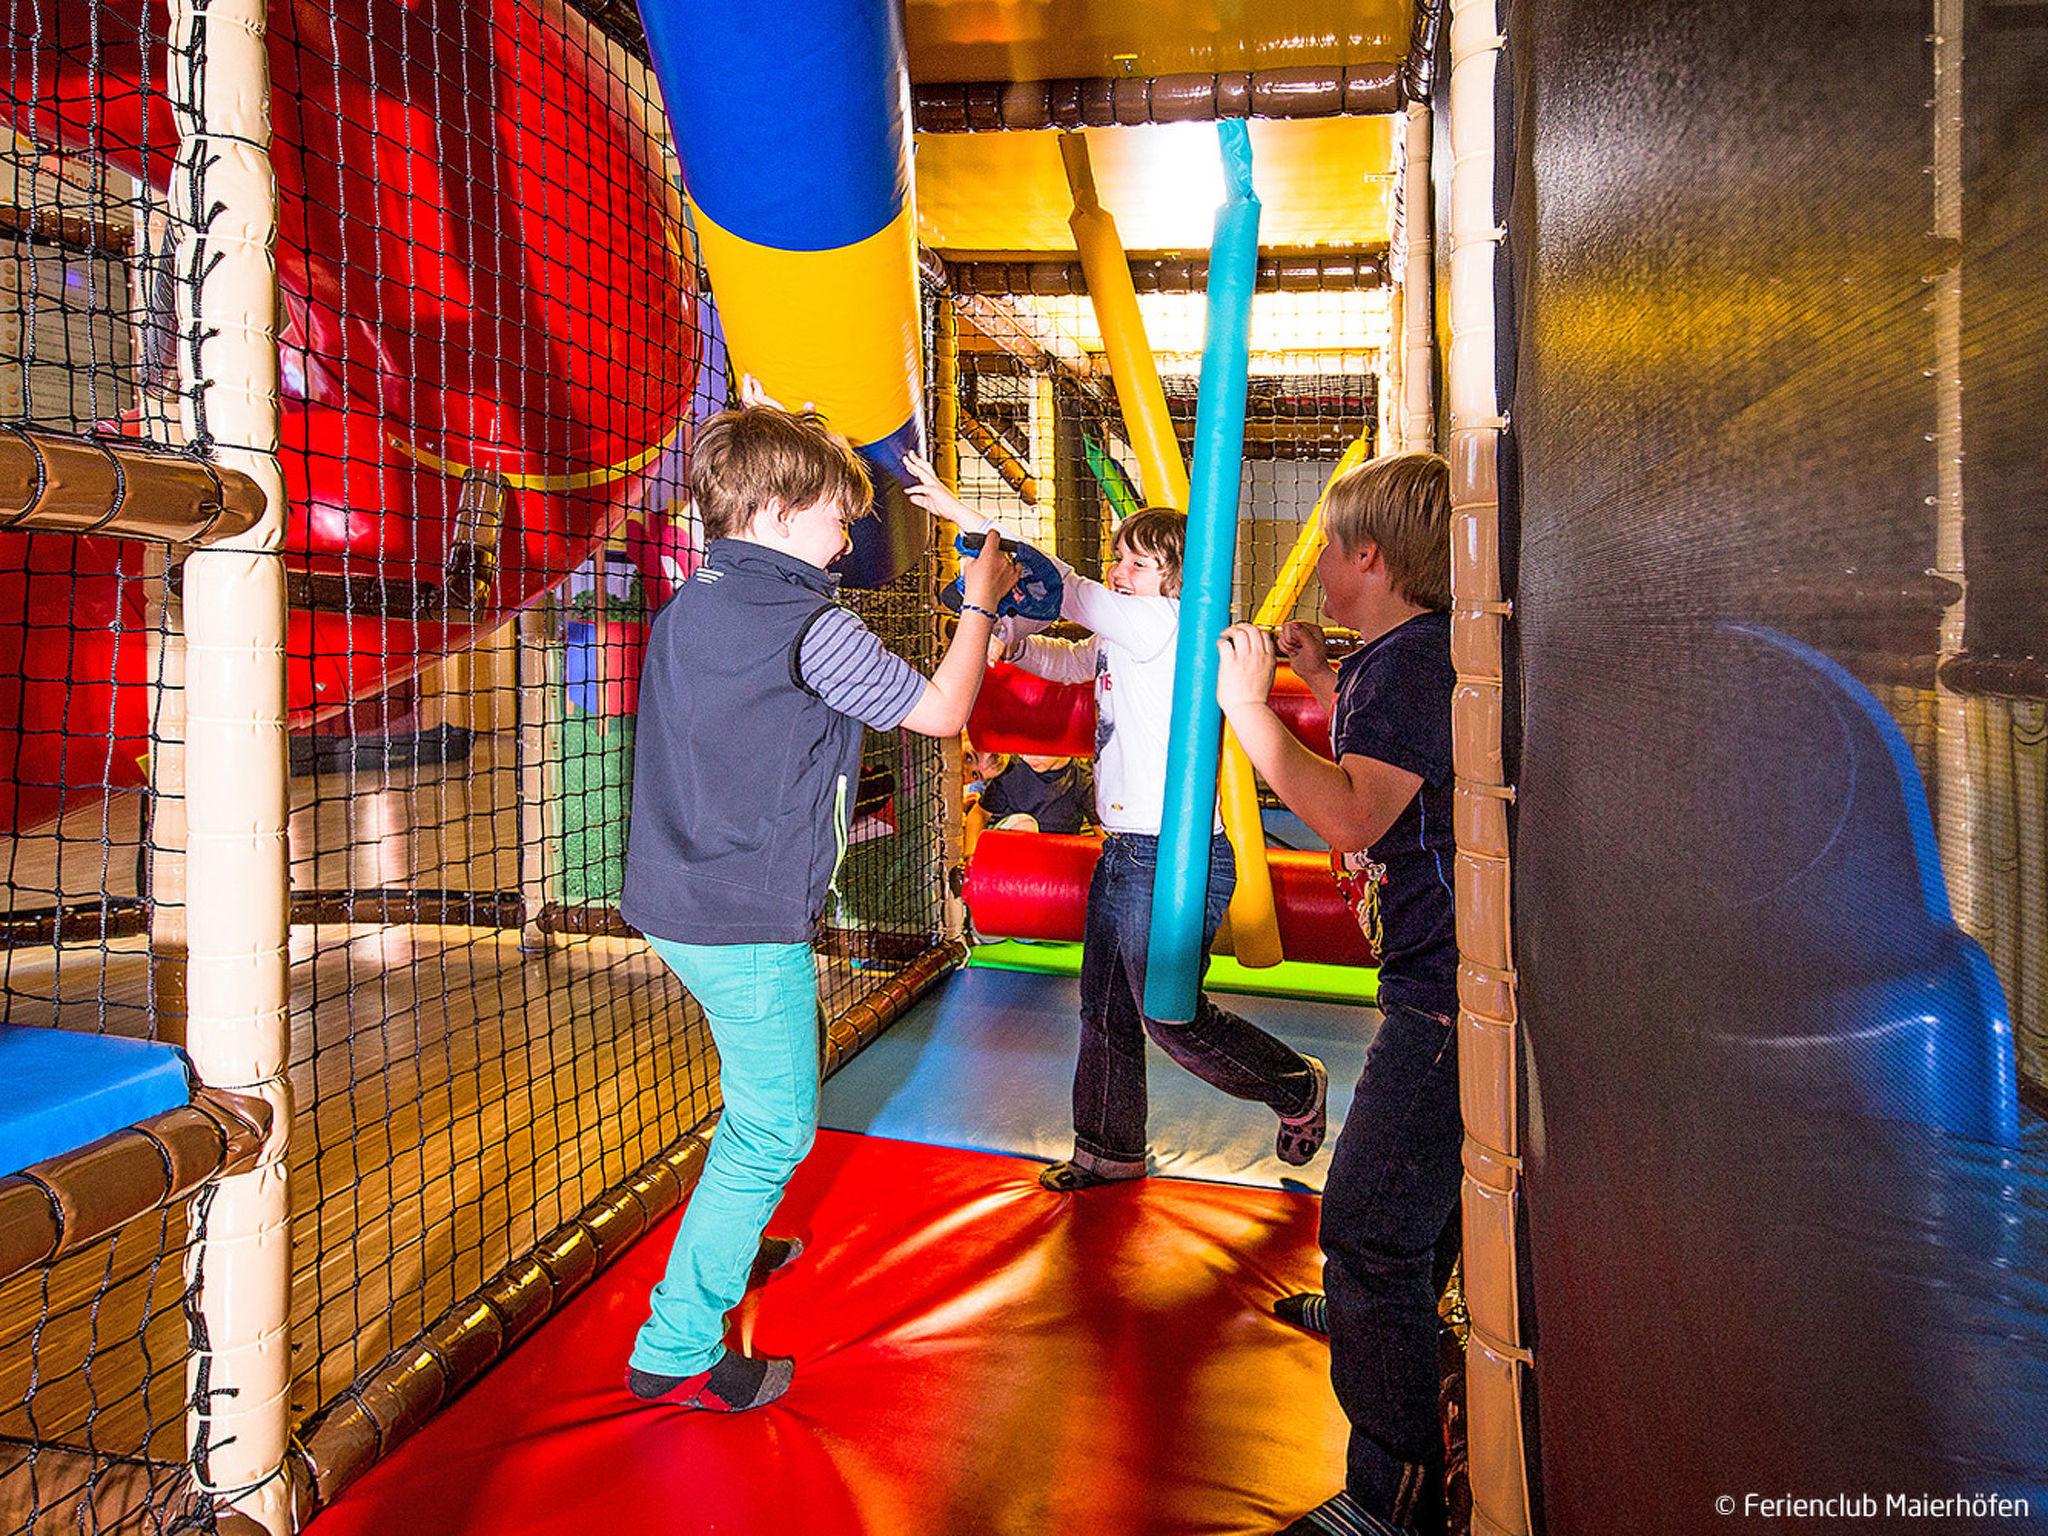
<point>1787,1226</point>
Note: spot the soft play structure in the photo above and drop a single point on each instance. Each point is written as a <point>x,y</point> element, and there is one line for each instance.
<point>422,353</point>
<point>352,361</point>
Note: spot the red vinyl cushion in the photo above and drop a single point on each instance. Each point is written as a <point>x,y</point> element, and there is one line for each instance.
<point>972,1355</point>
<point>1034,885</point>
<point>1017,712</point>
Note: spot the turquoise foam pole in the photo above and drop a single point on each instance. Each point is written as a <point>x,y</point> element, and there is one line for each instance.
<point>1180,889</point>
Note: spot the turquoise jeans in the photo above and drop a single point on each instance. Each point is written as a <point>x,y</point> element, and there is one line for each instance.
<point>762,1004</point>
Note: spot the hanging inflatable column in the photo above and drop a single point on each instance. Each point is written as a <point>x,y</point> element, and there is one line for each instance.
<point>792,121</point>
<point>1180,889</point>
<point>1254,925</point>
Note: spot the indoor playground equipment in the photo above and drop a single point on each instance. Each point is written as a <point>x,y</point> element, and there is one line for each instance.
<point>351,359</point>
<point>440,459</point>
<point>806,221</point>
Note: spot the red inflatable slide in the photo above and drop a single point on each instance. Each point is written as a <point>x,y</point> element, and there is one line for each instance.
<point>480,264</point>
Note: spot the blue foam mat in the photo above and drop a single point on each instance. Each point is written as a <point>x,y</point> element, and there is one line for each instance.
<point>986,1063</point>
<point>65,1090</point>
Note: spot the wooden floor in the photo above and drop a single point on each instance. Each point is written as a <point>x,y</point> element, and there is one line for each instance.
<point>455,1099</point>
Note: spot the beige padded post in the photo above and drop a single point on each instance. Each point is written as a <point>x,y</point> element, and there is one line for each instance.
<point>1496,1358</point>
<point>225,203</point>
<point>1417,338</point>
<point>540,758</point>
<point>1959,790</point>
<point>946,415</point>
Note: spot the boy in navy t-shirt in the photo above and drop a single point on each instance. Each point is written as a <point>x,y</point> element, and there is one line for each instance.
<point>1390,1223</point>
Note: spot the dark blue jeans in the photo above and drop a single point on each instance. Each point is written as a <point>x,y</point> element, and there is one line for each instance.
<point>1217,1046</point>
<point>1390,1235</point>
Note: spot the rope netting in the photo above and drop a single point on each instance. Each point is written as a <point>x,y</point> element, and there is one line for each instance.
<point>495,345</point>
<point>1044,449</point>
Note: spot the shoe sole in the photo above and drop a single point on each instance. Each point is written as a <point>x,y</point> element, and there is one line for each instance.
<point>1319,1118</point>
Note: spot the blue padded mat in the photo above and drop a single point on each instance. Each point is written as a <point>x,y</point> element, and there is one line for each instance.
<point>986,1063</point>
<point>65,1089</point>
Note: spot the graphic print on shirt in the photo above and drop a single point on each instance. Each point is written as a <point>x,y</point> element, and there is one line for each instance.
<point>1105,722</point>
<point>1359,875</point>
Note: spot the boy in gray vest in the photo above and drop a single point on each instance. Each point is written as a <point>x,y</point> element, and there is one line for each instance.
<point>754,696</point>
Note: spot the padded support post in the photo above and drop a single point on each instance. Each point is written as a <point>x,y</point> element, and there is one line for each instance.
<point>1417,335</point>
<point>1114,297</point>
<point>946,423</point>
<point>1498,1361</point>
<point>1959,808</point>
<point>1174,966</point>
<point>224,201</point>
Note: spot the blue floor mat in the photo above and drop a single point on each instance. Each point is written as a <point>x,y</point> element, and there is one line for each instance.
<point>986,1063</point>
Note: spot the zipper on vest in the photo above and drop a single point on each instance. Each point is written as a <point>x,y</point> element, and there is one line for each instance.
<point>841,828</point>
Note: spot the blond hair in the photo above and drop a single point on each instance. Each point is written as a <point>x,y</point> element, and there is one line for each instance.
<point>1158,533</point>
<point>759,458</point>
<point>1402,504</point>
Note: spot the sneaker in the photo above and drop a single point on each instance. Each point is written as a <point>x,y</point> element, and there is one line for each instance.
<point>1343,1516</point>
<point>737,1383</point>
<point>1065,1178</point>
<point>1307,1310</point>
<point>1300,1137</point>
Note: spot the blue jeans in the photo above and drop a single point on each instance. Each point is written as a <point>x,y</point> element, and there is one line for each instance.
<point>1390,1234</point>
<point>762,1003</point>
<point>1217,1046</point>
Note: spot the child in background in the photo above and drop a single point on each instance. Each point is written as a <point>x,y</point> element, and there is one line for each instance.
<point>757,690</point>
<point>1052,794</point>
<point>1390,1225</point>
<point>978,768</point>
<point>1129,659</point>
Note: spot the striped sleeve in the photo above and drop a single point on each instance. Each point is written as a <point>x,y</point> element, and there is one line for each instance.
<point>843,663</point>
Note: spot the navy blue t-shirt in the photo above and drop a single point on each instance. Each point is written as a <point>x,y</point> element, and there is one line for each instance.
<point>1394,705</point>
<point>1062,800</point>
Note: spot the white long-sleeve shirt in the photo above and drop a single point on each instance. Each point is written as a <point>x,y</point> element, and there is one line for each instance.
<point>1130,660</point>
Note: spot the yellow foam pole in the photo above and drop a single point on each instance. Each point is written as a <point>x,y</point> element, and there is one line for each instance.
<point>1161,470</point>
<point>1164,479</point>
<point>1301,560</point>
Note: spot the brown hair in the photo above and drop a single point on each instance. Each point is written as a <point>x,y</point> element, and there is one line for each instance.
<point>1161,534</point>
<point>758,458</point>
<point>1401,503</point>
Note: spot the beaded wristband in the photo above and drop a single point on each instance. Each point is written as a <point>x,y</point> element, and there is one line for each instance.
<point>977,608</point>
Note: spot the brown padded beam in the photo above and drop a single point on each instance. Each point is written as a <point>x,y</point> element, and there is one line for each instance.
<point>59,1206</point>
<point>2008,677</point>
<point>341,1442</point>
<point>1174,274</point>
<point>1015,473</point>
<point>51,482</point>
<point>67,227</point>
<point>1314,90</point>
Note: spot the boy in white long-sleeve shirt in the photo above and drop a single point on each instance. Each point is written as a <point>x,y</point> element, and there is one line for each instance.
<point>1129,659</point>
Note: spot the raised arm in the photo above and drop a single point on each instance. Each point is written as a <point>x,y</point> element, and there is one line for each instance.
<point>1057,661</point>
<point>1307,652</point>
<point>1350,804</point>
<point>948,699</point>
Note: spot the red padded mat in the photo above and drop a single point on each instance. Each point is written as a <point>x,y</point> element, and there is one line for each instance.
<point>974,1355</point>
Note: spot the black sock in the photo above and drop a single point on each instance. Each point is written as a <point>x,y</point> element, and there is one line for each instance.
<point>647,1385</point>
<point>1305,1309</point>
